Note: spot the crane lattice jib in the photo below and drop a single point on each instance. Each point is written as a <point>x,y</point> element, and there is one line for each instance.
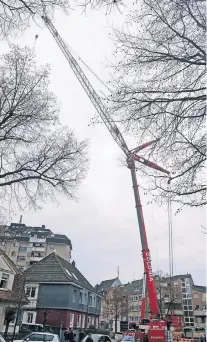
<point>95,99</point>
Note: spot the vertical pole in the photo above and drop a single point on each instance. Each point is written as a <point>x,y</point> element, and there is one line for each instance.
<point>143,304</point>
<point>154,309</point>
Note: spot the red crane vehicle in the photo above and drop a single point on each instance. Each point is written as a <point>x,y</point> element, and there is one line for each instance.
<point>156,329</point>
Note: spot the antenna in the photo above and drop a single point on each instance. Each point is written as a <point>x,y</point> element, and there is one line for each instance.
<point>20,221</point>
<point>118,272</point>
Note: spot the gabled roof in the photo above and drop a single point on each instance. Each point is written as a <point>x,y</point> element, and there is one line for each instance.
<point>199,288</point>
<point>10,263</point>
<point>54,269</point>
<point>16,295</point>
<point>106,284</point>
<point>135,287</point>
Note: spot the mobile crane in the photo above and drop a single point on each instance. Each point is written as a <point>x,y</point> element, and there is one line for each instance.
<point>131,157</point>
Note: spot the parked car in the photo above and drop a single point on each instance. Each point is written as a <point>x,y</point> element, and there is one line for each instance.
<point>2,339</point>
<point>98,338</point>
<point>40,337</point>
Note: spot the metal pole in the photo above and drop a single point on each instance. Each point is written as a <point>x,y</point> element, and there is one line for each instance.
<point>18,310</point>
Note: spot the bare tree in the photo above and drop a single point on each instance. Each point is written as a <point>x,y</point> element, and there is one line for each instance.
<point>16,15</point>
<point>39,158</point>
<point>158,91</point>
<point>116,304</point>
<point>169,296</point>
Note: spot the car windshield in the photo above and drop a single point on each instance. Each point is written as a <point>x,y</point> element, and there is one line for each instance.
<point>95,337</point>
<point>39,337</point>
<point>128,338</point>
<point>2,339</point>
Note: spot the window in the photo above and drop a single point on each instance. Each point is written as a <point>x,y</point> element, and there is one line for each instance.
<point>52,246</point>
<point>13,254</point>
<point>40,337</point>
<point>30,317</point>
<point>68,272</point>
<point>92,321</point>
<point>196,307</point>
<point>90,301</point>
<point>4,281</point>
<point>85,298</point>
<point>20,258</point>
<point>31,244</point>
<point>22,249</point>
<point>79,321</point>
<point>74,295</point>
<point>81,298</point>
<point>196,295</point>
<point>83,321</point>
<point>31,291</point>
<point>75,276</point>
<point>89,322</point>
<point>71,320</point>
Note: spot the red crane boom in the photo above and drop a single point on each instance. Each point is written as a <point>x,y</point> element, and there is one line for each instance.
<point>131,157</point>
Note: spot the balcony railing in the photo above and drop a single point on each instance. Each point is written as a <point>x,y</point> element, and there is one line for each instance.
<point>38,249</point>
<point>36,258</point>
<point>200,325</point>
<point>200,312</point>
<point>178,312</point>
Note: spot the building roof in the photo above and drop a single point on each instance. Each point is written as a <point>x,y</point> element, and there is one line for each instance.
<point>54,269</point>
<point>106,284</point>
<point>199,288</point>
<point>17,294</point>
<point>10,263</point>
<point>135,287</point>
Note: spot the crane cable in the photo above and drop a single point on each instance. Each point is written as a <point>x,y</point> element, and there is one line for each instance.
<point>170,236</point>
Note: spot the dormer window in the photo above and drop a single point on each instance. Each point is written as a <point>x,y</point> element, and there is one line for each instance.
<point>4,281</point>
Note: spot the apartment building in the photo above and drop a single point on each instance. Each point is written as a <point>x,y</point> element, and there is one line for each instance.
<point>199,306</point>
<point>134,292</point>
<point>28,245</point>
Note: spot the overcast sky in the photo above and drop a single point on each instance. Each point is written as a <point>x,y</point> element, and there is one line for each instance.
<point>103,225</point>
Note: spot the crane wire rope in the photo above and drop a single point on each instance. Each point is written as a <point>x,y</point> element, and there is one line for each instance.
<point>170,241</point>
<point>155,239</point>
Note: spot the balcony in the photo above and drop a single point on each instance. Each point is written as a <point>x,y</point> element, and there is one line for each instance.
<point>200,325</point>
<point>200,312</point>
<point>178,312</point>
<point>36,259</point>
<point>38,249</point>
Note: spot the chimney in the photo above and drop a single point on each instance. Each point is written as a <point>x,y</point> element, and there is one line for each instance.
<point>43,226</point>
<point>73,263</point>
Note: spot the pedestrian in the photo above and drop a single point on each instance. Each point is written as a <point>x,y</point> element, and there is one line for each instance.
<point>66,333</point>
<point>71,335</point>
<point>89,338</point>
<point>145,339</point>
<point>81,335</point>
